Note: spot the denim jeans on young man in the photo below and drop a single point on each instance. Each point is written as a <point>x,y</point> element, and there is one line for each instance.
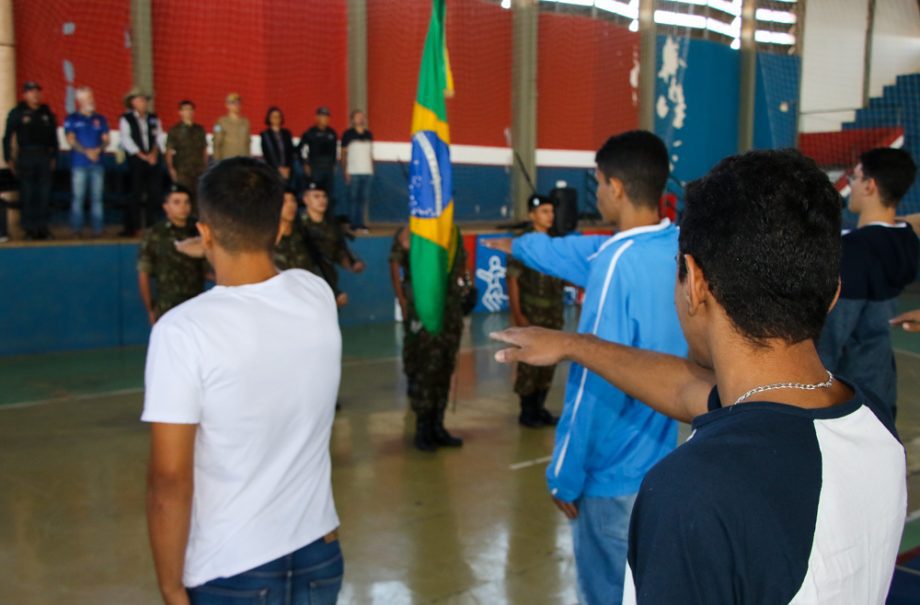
<point>359,192</point>
<point>600,536</point>
<point>311,575</point>
<point>92,177</point>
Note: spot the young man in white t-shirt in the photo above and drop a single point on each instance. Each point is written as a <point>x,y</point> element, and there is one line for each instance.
<point>241,385</point>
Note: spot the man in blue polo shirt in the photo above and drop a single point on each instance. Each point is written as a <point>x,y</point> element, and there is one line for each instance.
<point>88,135</point>
<point>606,440</point>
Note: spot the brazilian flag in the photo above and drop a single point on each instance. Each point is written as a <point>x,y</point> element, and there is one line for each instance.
<point>433,245</point>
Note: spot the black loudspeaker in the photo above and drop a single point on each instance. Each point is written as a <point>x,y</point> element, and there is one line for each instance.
<point>566,200</point>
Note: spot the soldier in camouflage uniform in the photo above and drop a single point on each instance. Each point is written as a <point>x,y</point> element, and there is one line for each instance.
<point>187,151</point>
<point>291,251</point>
<point>536,299</point>
<point>429,359</point>
<point>326,241</point>
<point>178,277</point>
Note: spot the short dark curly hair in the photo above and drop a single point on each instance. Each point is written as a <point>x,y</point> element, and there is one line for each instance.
<point>639,159</point>
<point>240,199</point>
<point>765,229</point>
<point>894,172</point>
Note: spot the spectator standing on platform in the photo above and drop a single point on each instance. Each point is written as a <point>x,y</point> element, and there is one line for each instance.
<point>88,135</point>
<point>30,149</point>
<point>320,143</point>
<point>178,277</point>
<point>231,133</point>
<point>277,144</point>
<point>358,163</point>
<point>879,260</point>
<point>140,132</point>
<point>187,151</point>
<point>327,242</point>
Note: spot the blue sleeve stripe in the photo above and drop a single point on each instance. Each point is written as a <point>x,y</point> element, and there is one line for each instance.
<point>584,372</point>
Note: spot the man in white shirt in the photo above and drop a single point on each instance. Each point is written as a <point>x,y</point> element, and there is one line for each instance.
<point>358,161</point>
<point>140,132</point>
<point>241,384</point>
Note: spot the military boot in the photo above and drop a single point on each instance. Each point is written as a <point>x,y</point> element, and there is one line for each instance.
<point>441,436</point>
<point>542,413</point>
<point>530,416</point>
<point>424,437</point>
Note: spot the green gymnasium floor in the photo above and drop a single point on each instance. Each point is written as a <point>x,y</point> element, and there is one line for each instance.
<point>468,526</point>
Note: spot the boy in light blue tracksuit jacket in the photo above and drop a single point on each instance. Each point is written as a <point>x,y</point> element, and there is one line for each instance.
<point>605,440</point>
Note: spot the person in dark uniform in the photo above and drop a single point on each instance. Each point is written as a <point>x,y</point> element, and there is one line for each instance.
<point>536,299</point>
<point>320,143</point>
<point>30,148</point>
<point>326,240</point>
<point>429,359</point>
<point>277,144</point>
<point>178,276</point>
<point>140,131</point>
<point>187,151</point>
<point>291,250</point>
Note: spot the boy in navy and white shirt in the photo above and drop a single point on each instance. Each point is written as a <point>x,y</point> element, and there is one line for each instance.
<point>607,440</point>
<point>791,488</point>
<point>880,258</point>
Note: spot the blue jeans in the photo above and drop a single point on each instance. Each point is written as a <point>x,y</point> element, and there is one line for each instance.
<point>359,192</point>
<point>311,575</point>
<point>601,536</point>
<point>94,177</point>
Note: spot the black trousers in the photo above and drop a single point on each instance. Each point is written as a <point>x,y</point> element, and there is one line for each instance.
<point>33,168</point>
<point>146,193</point>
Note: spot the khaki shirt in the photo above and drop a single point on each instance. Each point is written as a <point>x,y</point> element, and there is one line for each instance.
<point>231,137</point>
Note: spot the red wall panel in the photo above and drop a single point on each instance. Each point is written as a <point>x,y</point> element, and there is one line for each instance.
<point>583,81</point>
<point>479,45</point>
<point>92,36</point>
<point>273,52</point>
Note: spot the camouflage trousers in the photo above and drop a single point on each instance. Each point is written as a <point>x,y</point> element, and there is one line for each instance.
<point>532,379</point>
<point>429,362</point>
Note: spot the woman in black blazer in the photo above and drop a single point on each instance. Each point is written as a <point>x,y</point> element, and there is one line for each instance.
<point>277,145</point>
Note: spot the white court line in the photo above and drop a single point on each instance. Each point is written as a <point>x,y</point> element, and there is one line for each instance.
<point>913,516</point>
<point>908,353</point>
<point>84,396</point>
<point>518,466</point>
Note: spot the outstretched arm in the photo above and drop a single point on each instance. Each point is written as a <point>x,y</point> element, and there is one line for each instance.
<point>568,258</point>
<point>671,385</point>
<point>909,322</point>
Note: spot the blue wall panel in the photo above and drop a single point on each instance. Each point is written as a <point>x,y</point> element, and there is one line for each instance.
<point>62,297</point>
<point>697,103</point>
<point>776,103</point>
<point>481,193</point>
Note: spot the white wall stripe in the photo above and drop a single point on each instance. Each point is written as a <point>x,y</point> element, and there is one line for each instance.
<point>392,151</point>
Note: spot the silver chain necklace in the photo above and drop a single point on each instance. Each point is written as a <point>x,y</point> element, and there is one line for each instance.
<point>788,385</point>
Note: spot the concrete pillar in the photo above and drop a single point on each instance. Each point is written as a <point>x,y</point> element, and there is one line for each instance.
<point>8,93</point>
<point>867,61</point>
<point>142,45</point>
<point>357,55</point>
<point>648,64</point>
<point>523,104</point>
<point>748,76</point>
